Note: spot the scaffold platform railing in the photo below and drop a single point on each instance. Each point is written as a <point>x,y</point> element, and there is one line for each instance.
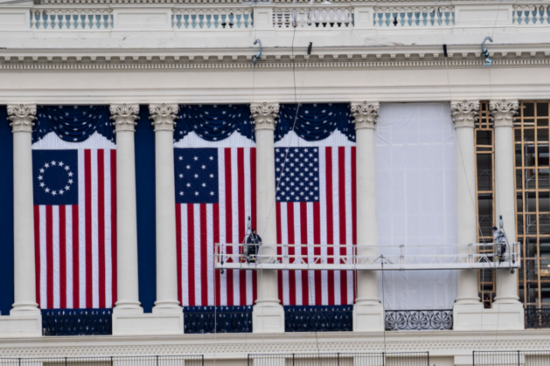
<point>351,257</point>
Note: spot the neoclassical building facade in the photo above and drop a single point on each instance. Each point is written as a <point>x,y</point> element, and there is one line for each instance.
<point>143,140</point>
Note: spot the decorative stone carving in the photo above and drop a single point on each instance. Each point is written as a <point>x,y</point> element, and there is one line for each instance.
<point>365,114</point>
<point>124,116</point>
<point>503,112</point>
<point>164,116</point>
<point>264,115</point>
<point>464,113</point>
<point>21,117</point>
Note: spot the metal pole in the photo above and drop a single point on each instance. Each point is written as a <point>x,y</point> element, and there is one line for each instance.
<point>519,358</point>
<point>428,362</point>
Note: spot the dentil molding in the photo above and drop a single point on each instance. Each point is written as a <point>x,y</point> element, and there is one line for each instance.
<point>124,116</point>
<point>365,114</point>
<point>464,113</point>
<point>503,112</point>
<point>164,116</point>
<point>264,115</point>
<point>390,59</point>
<point>21,117</point>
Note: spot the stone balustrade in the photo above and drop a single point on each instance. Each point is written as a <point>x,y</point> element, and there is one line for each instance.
<point>197,16</point>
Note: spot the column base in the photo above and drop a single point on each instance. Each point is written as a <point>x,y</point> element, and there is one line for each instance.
<point>501,317</point>
<point>135,322</point>
<point>268,318</point>
<point>19,323</point>
<point>368,318</point>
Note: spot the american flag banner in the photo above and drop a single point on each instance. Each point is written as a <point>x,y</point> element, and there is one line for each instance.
<point>215,194</point>
<point>75,226</point>
<point>315,204</point>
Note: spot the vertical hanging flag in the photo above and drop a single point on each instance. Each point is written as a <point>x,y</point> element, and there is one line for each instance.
<point>74,182</point>
<point>316,205</point>
<point>215,195</point>
<point>315,199</point>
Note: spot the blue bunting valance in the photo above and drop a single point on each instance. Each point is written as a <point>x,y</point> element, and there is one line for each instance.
<point>214,122</point>
<point>315,122</point>
<point>73,123</point>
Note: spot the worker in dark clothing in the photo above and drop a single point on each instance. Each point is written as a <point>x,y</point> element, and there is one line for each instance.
<point>253,242</point>
<point>500,243</point>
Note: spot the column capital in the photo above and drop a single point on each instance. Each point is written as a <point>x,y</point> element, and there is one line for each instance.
<point>164,116</point>
<point>503,112</point>
<point>365,114</point>
<point>124,116</point>
<point>464,113</point>
<point>264,115</point>
<point>21,117</point>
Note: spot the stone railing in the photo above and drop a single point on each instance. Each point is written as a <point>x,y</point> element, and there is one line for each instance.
<point>182,16</point>
<point>414,16</point>
<point>99,18</point>
<point>212,18</point>
<point>313,17</point>
<point>531,14</point>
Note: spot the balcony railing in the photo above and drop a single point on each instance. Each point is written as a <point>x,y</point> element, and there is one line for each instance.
<point>537,318</point>
<point>414,16</point>
<point>201,15</point>
<point>511,358</point>
<point>419,319</point>
<point>71,322</point>
<point>339,359</point>
<point>319,318</point>
<point>172,360</point>
<point>219,319</point>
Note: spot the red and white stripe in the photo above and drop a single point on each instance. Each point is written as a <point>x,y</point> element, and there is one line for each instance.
<point>331,221</point>
<point>200,226</point>
<point>76,244</point>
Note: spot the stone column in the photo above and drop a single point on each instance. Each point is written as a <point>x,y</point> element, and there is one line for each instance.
<point>164,116</point>
<point>25,319</point>
<point>268,314</point>
<point>467,310</point>
<point>368,312</point>
<point>125,116</point>
<point>503,113</point>
<point>22,117</point>
<point>464,114</point>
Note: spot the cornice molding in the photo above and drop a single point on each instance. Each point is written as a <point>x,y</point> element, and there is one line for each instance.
<point>234,346</point>
<point>391,59</point>
<point>124,116</point>
<point>265,115</point>
<point>464,113</point>
<point>164,116</point>
<point>365,114</point>
<point>503,112</point>
<point>21,117</point>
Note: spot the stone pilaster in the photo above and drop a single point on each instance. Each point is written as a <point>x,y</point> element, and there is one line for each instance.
<point>268,314</point>
<point>164,116</point>
<point>368,312</point>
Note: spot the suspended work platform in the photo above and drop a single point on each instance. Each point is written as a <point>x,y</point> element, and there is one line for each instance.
<point>371,258</point>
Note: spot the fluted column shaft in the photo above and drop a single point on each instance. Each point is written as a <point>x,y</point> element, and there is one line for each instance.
<point>267,303</point>
<point>22,117</point>
<point>164,116</point>
<point>503,113</point>
<point>124,117</point>
<point>463,115</point>
<point>366,115</point>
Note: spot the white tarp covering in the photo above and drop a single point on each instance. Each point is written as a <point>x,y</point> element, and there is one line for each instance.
<point>416,199</point>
